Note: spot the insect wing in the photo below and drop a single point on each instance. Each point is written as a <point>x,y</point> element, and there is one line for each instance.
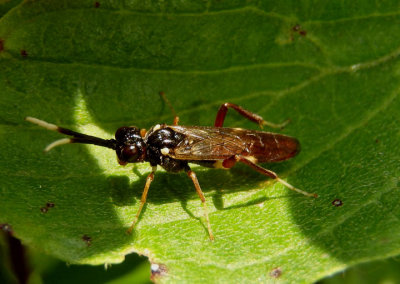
<point>220,143</point>
<point>208,143</point>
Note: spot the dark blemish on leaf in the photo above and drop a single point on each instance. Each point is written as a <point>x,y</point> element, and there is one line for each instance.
<point>296,28</point>
<point>6,228</point>
<point>50,204</point>
<point>377,141</point>
<point>337,202</point>
<point>303,33</point>
<point>24,53</point>
<point>44,209</point>
<point>276,272</point>
<point>96,4</point>
<point>87,240</point>
<point>1,45</point>
<point>158,270</point>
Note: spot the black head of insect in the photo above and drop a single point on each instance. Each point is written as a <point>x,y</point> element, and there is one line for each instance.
<point>130,147</point>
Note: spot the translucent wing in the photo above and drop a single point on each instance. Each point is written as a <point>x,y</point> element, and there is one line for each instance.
<point>220,143</point>
<point>208,143</point>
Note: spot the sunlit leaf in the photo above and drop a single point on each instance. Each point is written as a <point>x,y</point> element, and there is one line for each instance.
<point>332,68</point>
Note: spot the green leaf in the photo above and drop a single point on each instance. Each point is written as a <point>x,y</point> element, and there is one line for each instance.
<point>332,68</point>
<point>380,271</point>
<point>134,269</point>
<point>6,5</point>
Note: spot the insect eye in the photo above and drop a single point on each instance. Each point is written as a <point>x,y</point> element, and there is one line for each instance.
<point>130,154</point>
<point>120,133</point>
<point>125,132</point>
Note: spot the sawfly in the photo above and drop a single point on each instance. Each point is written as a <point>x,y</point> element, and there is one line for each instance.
<point>174,147</point>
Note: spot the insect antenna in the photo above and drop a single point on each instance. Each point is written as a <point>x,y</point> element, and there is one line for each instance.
<point>164,97</point>
<point>76,136</point>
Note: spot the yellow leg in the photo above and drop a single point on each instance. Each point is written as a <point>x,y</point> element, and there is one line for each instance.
<point>193,177</point>
<point>273,175</point>
<point>149,179</point>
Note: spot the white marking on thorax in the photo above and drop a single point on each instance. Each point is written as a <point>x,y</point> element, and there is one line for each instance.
<point>165,151</point>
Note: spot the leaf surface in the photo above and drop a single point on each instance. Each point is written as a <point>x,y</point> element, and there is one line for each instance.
<point>332,68</point>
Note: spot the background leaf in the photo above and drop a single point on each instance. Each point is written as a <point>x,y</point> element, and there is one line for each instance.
<point>379,271</point>
<point>95,66</point>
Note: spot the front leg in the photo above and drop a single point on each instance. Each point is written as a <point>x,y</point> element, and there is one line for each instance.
<point>149,179</point>
<point>219,120</point>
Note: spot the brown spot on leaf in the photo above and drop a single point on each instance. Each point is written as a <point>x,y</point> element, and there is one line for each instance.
<point>158,270</point>
<point>296,28</point>
<point>276,272</point>
<point>1,44</point>
<point>96,4</point>
<point>303,32</point>
<point>337,202</point>
<point>24,53</point>
<point>50,204</point>
<point>6,228</point>
<point>44,209</point>
<point>87,240</point>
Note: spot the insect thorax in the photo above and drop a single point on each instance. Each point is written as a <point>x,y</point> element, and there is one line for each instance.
<point>160,139</point>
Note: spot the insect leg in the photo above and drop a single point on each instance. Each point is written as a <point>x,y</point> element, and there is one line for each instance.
<point>193,177</point>
<point>164,97</point>
<point>273,175</point>
<point>219,120</point>
<point>149,179</point>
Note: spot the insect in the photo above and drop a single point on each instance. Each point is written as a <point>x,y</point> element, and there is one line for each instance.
<point>174,146</point>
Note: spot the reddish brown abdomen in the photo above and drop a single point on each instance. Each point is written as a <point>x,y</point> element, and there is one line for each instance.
<point>268,147</point>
